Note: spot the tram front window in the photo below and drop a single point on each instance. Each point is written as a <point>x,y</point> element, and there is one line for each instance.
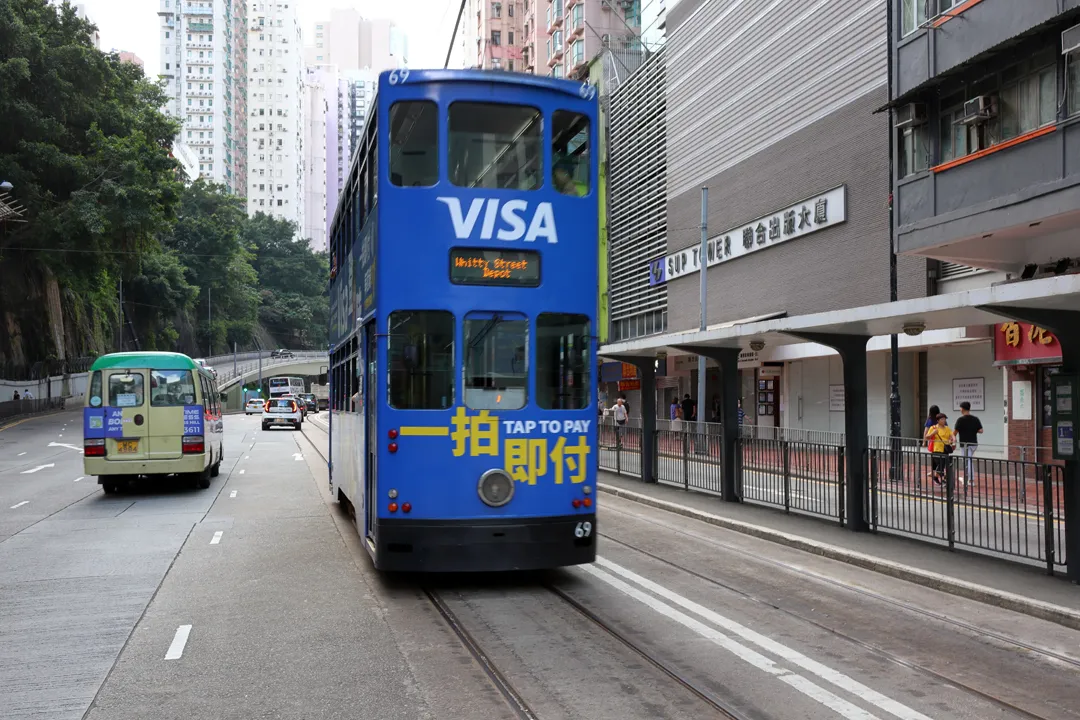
<point>496,366</point>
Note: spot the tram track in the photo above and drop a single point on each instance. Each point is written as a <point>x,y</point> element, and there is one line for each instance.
<point>868,646</point>
<point>1073,663</point>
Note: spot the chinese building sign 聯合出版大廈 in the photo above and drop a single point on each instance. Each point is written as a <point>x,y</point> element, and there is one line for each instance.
<point>1023,344</point>
<point>798,220</point>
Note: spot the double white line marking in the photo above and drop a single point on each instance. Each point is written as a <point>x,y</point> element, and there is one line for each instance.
<point>748,654</point>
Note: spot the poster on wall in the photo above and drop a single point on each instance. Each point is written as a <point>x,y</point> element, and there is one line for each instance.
<point>970,390</point>
<point>1021,400</point>
<point>836,398</point>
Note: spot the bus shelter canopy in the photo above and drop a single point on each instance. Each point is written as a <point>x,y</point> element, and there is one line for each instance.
<point>912,317</point>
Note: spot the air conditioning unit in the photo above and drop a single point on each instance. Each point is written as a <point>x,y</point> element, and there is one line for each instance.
<point>910,115</point>
<point>978,109</point>
<point>1070,40</point>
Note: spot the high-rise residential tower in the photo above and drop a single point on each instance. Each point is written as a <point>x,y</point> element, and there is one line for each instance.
<point>203,46</point>
<point>275,112</point>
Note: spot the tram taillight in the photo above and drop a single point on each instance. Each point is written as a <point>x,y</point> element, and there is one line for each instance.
<point>392,434</point>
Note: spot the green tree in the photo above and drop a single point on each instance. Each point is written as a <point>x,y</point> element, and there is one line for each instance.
<point>293,279</point>
<point>87,147</point>
<point>207,239</point>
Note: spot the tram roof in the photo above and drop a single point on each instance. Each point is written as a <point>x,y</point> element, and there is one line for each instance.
<point>501,77</point>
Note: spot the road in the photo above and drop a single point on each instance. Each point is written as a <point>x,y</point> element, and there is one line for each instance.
<point>255,599</point>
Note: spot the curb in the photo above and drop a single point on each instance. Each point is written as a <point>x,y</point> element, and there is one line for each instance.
<point>980,593</point>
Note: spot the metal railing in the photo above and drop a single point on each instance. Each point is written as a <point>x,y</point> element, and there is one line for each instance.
<point>228,374</point>
<point>15,408</point>
<point>1006,507</point>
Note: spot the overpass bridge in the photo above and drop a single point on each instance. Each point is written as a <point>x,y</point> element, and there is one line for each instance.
<point>234,371</point>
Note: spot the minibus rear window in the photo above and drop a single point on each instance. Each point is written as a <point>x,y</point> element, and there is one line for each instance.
<point>171,388</point>
<point>126,390</point>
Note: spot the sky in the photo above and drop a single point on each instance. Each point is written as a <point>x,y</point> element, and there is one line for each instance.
<point>133,25</point>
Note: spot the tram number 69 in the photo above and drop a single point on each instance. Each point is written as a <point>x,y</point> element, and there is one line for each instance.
<point>583,529</point>
<point>398,76</point>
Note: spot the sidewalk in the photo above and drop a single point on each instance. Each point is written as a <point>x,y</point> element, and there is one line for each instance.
<point>1002,583</point>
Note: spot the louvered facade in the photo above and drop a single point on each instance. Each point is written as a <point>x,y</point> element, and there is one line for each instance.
<point>637,134</point>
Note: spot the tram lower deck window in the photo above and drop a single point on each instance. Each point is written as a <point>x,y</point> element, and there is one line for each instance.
<point>421,358</point>
<point>496,362</point>
<point>563,364</point>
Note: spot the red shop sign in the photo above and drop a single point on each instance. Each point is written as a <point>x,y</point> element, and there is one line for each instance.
<point>1023,344</point>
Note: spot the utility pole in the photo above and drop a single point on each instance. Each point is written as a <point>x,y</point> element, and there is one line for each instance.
<point>120,345</point>
<point>895,429</point>
<point>209,326</point>
<point>703,261</point>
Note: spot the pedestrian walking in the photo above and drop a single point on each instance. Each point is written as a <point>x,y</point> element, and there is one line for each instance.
<point>15,396</point>
<point>620,413</point>
<point>688,409</point>
<point>942,442</point>
<point>967,429</point>
<point>27,395</point>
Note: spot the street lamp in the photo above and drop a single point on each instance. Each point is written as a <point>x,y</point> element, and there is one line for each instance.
<point>6,186</point>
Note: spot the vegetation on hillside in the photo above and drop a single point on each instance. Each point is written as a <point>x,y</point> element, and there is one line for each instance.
<point>87,147</point>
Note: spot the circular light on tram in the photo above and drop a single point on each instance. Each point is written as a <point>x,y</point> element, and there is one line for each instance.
<point>576,503</point>
<point>392,494</point>
<point>406,507</point>
<point>392,434</point>
<point>587,489</point>
<point>587,502</point>
<point>392,447</point>
<point>393,507</point>
<point>495,488</point>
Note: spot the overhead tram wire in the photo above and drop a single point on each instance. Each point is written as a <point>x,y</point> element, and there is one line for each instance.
<point>453,35</point>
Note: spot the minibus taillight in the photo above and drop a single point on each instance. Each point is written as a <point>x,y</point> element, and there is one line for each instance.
<point>193,445</point>
<point>94,448</point>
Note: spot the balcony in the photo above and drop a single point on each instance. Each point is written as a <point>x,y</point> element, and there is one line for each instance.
<point>1000,208</point>
<point>198,45</point>
<point>556,56</point>
<point>195,10</point>
<point>200,27</point>
<point>969,30</point>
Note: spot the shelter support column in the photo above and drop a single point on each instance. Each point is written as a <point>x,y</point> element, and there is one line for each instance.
<point>646,367</point>
<point>1065,324</point>
<point>728,360</point>
<point>852,350</point>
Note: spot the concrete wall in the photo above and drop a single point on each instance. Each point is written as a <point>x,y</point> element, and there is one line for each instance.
<point>840,267</point>
<point>963,361</point>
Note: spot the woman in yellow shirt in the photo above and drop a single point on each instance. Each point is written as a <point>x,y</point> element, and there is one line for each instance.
<point>942,443</point>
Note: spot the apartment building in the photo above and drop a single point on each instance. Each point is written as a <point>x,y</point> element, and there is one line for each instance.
<point>986,112</point>
<point>352,42</point>
<point>320,109</point>
<point>276,119</point>
<point>203,44</point>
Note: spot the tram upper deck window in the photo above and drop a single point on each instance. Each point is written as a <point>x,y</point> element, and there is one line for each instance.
<point>495,146</point>
<point>421,358</point>
<point>414,143</point>
<point>496,362</point>
<point>570,153</point>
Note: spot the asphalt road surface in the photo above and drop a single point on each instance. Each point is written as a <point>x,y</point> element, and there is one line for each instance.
<point>255,599</point>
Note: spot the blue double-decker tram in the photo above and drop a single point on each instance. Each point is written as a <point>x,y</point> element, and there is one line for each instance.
<point>463,311</point>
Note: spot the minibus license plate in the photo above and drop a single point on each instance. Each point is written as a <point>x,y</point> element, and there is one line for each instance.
<point>127,446</point>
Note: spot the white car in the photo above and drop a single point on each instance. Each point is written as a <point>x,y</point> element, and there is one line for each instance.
<point>252,406</point>
<point>282,411</point>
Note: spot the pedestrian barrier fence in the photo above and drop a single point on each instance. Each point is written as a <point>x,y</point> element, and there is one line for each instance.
<point>15,408</point>
<point>1006,507</point>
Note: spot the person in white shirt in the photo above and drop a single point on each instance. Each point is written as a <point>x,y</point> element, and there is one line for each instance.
<point>27,395</point>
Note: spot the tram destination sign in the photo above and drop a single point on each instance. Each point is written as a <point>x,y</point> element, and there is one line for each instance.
<point>803,218</point>
<point>486,266</point>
